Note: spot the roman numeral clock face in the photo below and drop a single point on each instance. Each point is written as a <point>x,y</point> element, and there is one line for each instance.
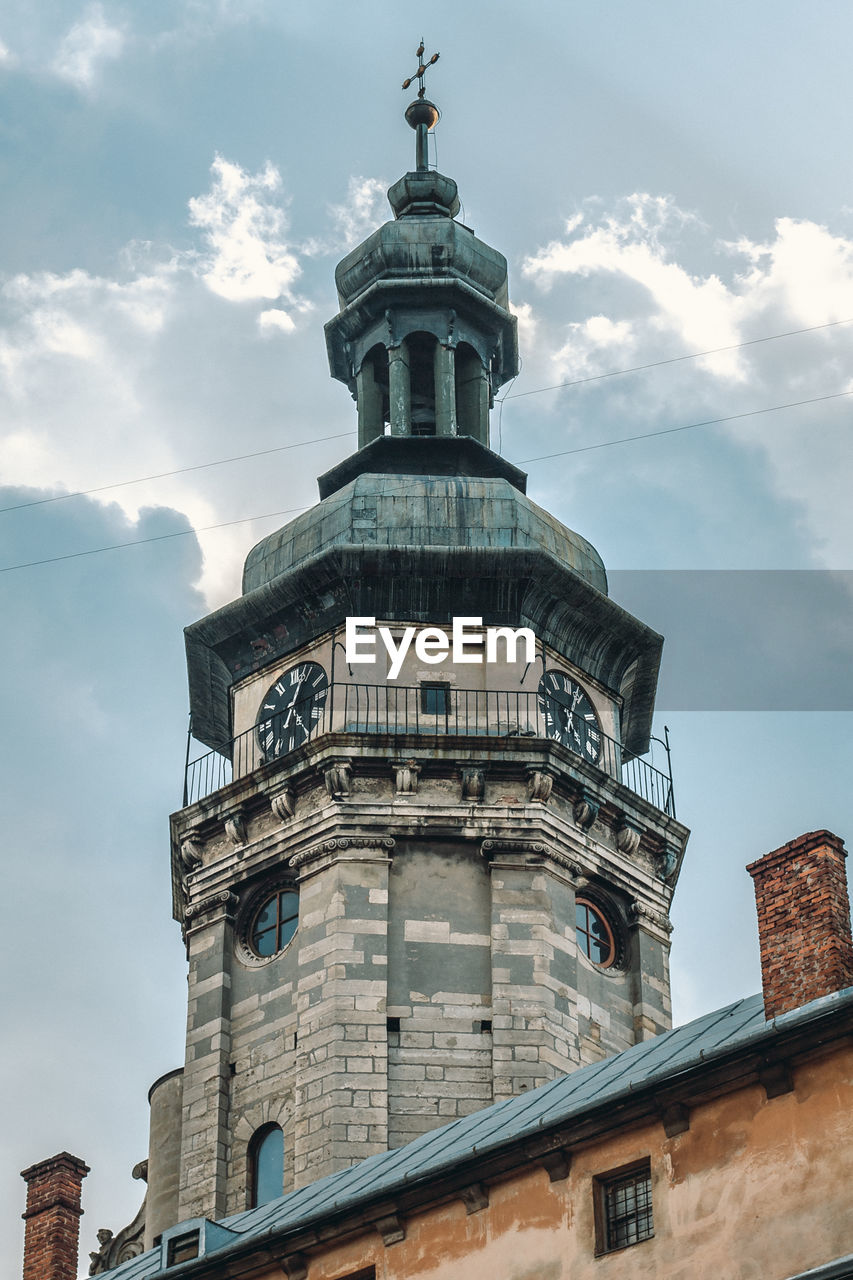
<point>291,709</point>
<point>569,715</point>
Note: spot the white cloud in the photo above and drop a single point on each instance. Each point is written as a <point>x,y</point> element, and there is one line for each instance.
<point>247,257</point>
<point>7,58</point>
<point>89,43</point>
<point>671,289</point>
<point>363,210</point>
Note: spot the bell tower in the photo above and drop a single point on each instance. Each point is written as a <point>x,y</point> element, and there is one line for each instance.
<point>409,893</point>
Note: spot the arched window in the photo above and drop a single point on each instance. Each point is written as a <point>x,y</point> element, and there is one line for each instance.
<point>421,349</point>
<point>266,1165</point>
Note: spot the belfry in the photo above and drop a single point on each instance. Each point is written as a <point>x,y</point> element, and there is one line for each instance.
<point>404,899</point>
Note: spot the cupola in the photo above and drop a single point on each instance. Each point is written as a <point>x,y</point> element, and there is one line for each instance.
<point>424,336</point>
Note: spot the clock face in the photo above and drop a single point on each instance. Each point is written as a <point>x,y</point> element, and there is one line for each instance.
<point>569,715</point>
<point>291,708</point>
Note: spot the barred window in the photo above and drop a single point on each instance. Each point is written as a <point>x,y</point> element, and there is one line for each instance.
<point>624,1208</point>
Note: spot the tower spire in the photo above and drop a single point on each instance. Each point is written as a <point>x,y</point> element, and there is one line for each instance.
<point>422,115</point>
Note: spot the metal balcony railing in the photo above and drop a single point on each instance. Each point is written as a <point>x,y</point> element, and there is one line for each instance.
<point>434,711</point>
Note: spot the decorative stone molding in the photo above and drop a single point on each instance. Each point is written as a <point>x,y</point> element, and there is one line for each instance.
<point>490,847</point>
<point>223,902</point>
<point>638,913</point>
<point>235,828</point>
<point>338,779</point>
<point>568,864</point>
<point>383,843</point>
<point>585,810</point>
<point>121,1247</point>
<point>627,837</point>
<point>283,803</point>
<point>473,785</point>
<point>391,1229</point>
<point>474,1198</point>
<point>406,777</point>
<point>539,785</point>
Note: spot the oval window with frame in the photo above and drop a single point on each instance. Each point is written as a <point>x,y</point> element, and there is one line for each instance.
<point>594,935</point>
<point>275,923</point>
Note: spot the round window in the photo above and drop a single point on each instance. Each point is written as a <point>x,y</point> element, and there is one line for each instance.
<point>594,935</point>
<point>275,923</point>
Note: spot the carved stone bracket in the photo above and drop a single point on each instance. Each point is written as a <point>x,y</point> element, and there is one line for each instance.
<point>473,785</point>
<point>666,862</point>
<point>585,810</point>
<point>283,803</point>
<point>554,1158</point>
<point>675,1118</point>
<point>406,774</point>
<point>235,828</point>
<point>539,785</point>
<point>391,1229</point>
<point>475,1198</point>
<point>338,779</point>
<point>383,844</point>
<point>294,1266</point>
<point>191,848</point>
<point>627,837</point>
<point>776,1079</point>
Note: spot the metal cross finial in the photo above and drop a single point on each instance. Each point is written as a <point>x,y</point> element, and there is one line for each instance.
<point>422,67</point>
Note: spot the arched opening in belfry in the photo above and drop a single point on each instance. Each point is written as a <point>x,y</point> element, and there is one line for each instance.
<point>372,395</point>
<point>421,350</point>
<point>472,394</point>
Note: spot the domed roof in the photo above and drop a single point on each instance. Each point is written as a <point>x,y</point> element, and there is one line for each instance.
<point>416,511</point>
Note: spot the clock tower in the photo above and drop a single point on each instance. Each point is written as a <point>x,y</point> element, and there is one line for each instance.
<point>412,887</point>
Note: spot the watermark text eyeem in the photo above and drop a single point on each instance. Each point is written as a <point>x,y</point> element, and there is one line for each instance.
<point>434,645</point>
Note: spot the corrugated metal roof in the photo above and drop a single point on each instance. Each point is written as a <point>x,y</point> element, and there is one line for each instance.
<point>556,1103</point>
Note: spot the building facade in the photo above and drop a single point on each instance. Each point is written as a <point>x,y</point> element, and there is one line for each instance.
<point>424,876</point>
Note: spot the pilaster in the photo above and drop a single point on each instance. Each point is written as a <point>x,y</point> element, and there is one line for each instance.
<point>341,1091</point>
<point>207,1071</point>
<point>534,968</point>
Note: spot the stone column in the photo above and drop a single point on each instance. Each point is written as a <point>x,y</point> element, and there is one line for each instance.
<point>472,395</point>
<point>369,399</point>
<point>445,390</point>
<point>205,1139</point>
<point>534,980</point>
<point>341,1093</point>
<point>400,390</point>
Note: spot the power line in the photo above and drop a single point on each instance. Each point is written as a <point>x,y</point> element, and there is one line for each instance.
<point>162,475</point>
<point>141,542</point>
<point>613,373</point>
<point>603,444</point>
<point>690,426</point>
<point>656,364</point>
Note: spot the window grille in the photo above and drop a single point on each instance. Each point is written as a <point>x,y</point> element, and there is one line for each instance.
<point>624,1208</point>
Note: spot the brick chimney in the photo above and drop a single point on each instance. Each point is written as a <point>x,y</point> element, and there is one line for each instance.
<point>803,921</point>
<point>53,1217</point>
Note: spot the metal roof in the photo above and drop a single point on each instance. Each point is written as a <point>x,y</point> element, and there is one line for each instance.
<point>737,1026</point>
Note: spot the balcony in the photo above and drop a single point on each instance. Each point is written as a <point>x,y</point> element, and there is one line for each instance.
<point>430,711</point>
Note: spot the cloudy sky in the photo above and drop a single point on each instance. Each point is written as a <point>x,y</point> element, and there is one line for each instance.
<point>179,180</point>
